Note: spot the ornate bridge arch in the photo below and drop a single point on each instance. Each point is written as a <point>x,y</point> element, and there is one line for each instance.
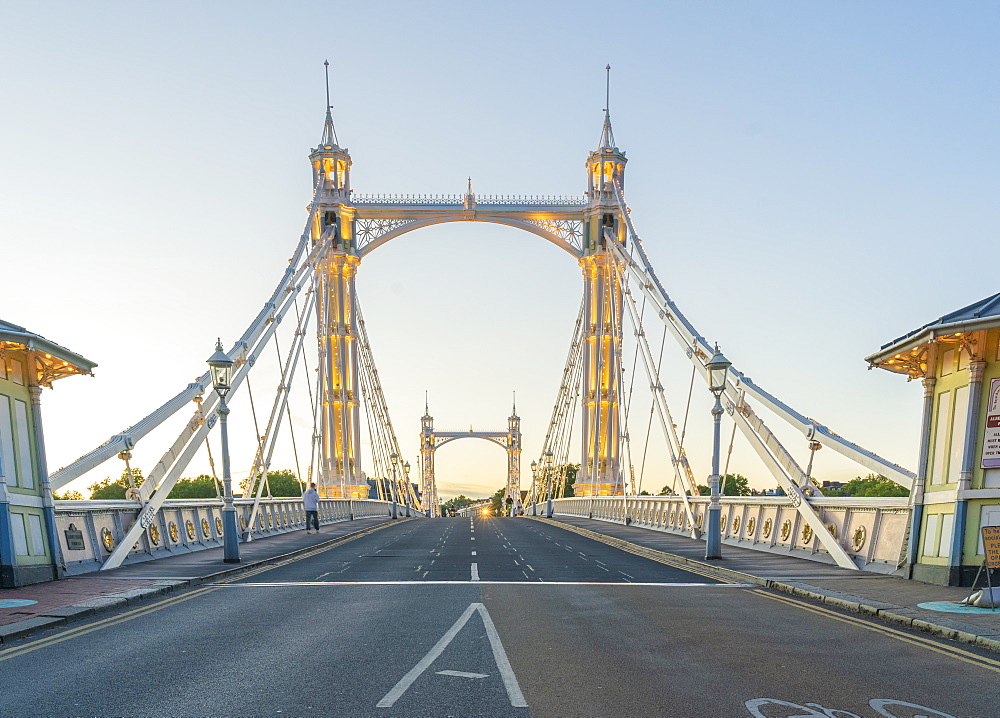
<point>378,220</point>
<point>431,441</point>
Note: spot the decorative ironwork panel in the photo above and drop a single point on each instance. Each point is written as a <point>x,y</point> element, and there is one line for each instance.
<point>569,230</point>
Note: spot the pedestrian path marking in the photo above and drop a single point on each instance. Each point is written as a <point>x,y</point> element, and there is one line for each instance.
<point>16,602</point>
<point>499,655</point>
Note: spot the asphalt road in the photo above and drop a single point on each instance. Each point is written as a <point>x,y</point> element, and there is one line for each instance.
<point>491,617</point>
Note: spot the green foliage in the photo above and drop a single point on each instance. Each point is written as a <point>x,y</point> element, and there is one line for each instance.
<point>571,472</point>
<point>459,502</point>
<point>497,507</point>
<point>283,483</point>
<point>108,490</point>
<point>70,495</point>
<point>731,485</point>
<point>666,491</point>
<point>201,487</point>
<point>871,485</point>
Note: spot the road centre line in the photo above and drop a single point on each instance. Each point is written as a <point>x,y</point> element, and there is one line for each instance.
<point>475,572</point>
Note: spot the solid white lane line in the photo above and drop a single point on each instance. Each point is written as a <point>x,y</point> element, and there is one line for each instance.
<point>475,572</point>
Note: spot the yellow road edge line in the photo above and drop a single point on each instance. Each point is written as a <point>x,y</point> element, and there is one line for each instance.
<point>16,651</point>
<point>916,640</point>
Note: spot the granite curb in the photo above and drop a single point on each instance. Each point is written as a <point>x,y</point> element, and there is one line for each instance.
<point>884,611</point>
<point>110,602</point>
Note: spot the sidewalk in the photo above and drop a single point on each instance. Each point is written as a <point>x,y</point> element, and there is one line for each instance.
<point>891,599</point>
<point>47,605</point>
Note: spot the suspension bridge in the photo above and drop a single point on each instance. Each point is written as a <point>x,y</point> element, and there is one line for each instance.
<point>490,626</point>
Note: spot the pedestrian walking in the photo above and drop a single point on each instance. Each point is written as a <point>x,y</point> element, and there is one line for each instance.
<point>310,502</point>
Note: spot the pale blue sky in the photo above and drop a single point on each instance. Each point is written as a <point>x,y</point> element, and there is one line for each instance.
<point>811,180</point>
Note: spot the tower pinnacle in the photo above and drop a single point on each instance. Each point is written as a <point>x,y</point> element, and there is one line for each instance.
<point>607,134</point>
<point>329,131</point>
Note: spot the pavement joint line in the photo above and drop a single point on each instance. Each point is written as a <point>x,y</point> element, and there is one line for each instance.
<point>859,605</point>
<point>12,631</point>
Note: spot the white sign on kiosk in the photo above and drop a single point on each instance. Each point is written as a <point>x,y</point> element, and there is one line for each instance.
<point>991,437</point>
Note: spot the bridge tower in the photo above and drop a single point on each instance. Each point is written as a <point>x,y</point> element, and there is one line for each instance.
<point>600,464</point>
<point>336,267</point>
<point>513,455</point>
<point>428,486</point>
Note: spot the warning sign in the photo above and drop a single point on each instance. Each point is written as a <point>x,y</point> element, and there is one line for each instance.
<point>991,436</point>
<point>991,546</point>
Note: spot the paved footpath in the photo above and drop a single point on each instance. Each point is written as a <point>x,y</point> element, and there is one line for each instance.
<point>889,598</point>
<point>58,602</point>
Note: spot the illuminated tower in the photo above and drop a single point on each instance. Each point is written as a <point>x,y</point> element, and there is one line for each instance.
<point>337,264</point>
<point>514,455</point>
<point>600,467</point>
<point>428,488</point>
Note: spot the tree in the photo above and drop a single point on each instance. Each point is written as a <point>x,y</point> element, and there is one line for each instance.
<point>69,495</point>
<point>459,502</point>
<point>666,491</point>
<point>871,485</point>
<point>108,490</point>
<point>731,485</point>
<point>497,506</point>
<point>201,487</point>
<point>283,483</point>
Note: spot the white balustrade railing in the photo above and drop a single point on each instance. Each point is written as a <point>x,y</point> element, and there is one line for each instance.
<point>90,530</point>
<point>871,530</point>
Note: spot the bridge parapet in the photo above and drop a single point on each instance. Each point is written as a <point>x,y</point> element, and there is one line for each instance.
<point>90,530</point>
<point>873,531</point>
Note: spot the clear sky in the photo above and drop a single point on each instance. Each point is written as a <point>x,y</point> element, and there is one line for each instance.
<point>811,180</point>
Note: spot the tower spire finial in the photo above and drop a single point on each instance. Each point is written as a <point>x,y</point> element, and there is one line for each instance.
<point>427,409</point>
<point>513,411</point>
<point>607,134</point>
<point>329,131</point>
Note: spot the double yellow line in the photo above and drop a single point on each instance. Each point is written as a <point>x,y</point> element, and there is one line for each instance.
<point>930,644</point>
<point>99,625</point>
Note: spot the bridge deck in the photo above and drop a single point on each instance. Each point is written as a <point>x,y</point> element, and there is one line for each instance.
<point>504,617</point>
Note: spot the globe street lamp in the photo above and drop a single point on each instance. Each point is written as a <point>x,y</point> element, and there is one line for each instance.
<point>534,488</point>
<point>548,483</point>
<point>221,370</point>
<point>718,368</point>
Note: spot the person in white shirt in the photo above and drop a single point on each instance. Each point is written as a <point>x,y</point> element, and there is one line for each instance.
<point>310,502</point>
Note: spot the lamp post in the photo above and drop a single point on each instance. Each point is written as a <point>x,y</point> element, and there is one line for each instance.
<point>718,368</point>
<point>393,485</point>
<point>548,484</point>
<point>534,488</point>
<point>221,371</point>
<point>406,474</point>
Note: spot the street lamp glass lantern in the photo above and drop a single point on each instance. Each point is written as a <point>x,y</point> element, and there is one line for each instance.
<point>221,370</point>
<point>718,368</point>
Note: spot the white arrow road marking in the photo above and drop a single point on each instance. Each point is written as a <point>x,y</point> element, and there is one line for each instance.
<point>499,655</point>
<point>463,674</point>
